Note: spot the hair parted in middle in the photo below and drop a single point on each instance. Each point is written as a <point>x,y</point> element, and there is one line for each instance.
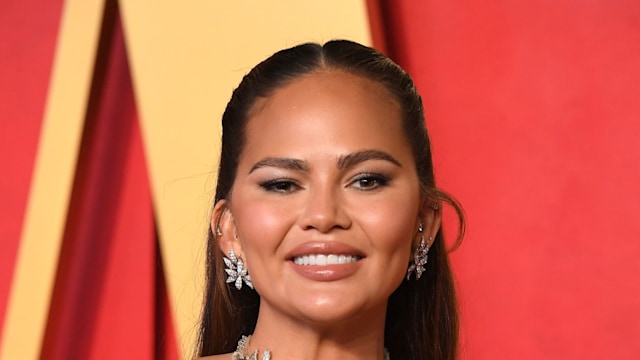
<point>422,318</point>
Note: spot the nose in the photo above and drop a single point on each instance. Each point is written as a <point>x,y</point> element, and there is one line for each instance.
<point>324,211</point>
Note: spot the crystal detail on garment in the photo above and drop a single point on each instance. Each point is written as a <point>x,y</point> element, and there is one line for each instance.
<point>243,344</point>
<point>241,351</point>
<point>236,271</point>
<point>420,257</point>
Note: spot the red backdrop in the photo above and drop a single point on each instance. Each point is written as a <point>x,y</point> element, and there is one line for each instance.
<point>27,45</point>
<point>533,107</point>
<point>110,300</point>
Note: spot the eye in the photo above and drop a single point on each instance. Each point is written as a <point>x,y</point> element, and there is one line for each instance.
<point>283,186</point>
<point>367,182</point>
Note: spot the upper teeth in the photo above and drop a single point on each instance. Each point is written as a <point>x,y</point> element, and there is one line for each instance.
<point>321,259</point>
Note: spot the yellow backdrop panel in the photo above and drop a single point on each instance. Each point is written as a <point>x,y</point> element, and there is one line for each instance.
<point>186,58</point>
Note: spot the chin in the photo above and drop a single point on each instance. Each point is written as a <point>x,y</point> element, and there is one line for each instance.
<point>330,310</point>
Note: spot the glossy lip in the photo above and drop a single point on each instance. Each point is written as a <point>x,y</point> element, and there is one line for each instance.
<point>331,247</point>
<point>326,272</point>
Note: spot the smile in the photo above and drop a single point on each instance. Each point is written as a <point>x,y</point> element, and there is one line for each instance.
<point>325,259</point>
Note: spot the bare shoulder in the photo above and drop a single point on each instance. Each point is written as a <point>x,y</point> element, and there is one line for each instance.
<point>216,357</point>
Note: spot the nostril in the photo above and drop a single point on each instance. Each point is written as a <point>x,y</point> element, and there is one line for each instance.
<point>324,211</point>
<point>327,223</point>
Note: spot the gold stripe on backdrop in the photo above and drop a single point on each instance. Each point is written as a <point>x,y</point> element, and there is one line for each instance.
<point>52,181</point>
<point>186,58</point>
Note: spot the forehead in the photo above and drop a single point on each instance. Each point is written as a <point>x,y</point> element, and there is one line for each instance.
<point>328,110</point>
<point>339,82</point>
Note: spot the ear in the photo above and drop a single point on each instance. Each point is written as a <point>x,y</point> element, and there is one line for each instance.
<point>431,217</point>
<point>224,229</point>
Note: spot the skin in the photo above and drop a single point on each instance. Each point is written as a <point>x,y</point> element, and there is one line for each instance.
<point>326,163</point>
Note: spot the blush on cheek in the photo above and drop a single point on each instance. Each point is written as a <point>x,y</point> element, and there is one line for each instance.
<point>260,228</point>
<point>393,227</point>
<point>255,216</point>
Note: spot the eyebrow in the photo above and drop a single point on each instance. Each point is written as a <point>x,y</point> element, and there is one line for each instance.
<point>357,157</point>
<point>344,162</point>
<point>283,163</point>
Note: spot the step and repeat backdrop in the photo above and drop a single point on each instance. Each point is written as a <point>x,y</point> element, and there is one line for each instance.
<point>109,135</point>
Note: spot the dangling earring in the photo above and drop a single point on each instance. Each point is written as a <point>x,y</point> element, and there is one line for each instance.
<point>236,271</point>
<point>420,256</point>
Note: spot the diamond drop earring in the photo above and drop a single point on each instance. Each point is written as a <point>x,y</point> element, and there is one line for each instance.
<point>237,271</point>
<point>420,256</point>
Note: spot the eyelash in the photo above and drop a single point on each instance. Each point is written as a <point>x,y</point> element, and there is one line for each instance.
<point>283,186</point>
<point>362,182</point>
<point>377,180</point>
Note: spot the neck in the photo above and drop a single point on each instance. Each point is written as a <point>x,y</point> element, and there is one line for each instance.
<point>289,337</point>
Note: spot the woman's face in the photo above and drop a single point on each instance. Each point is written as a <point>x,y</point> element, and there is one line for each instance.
<point>326,177</point>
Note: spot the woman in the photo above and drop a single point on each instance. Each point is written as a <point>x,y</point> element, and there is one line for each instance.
<point>325,214</point>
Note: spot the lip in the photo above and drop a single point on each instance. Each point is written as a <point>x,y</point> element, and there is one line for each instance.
<point>331,247</point>
<point>332,272</point>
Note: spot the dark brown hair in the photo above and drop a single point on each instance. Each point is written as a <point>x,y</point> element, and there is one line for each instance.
<point>422,315</point>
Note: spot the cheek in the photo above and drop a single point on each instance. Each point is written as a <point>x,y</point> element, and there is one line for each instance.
<point>391,229</point>
<point>391,224</point>
<point>261,225</point>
